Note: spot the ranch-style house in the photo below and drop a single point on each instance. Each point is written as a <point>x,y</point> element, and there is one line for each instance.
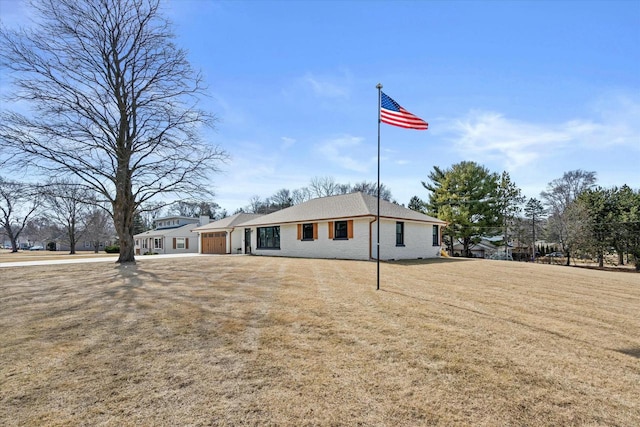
<point>342,227</point>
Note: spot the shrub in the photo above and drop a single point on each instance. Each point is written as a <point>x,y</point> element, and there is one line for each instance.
<point>112,249</point>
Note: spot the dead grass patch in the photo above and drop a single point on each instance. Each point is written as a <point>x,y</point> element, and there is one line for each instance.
<point>273,341</point>
<point>25,255</point>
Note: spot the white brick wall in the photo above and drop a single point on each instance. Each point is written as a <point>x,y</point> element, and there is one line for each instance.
<point>236,239</point>
<point>417,238</point>
<point>418,241</point>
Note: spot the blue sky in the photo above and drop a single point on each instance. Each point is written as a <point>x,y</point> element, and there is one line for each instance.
<point>534,88</point>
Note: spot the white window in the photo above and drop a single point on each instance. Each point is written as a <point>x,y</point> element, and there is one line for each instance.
<point>144,243</point>
<point>180,243</point>
<point>157,243</point>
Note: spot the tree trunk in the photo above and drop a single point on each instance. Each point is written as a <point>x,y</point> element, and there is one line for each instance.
<point>123,215</point>
<point>465,247</point>
<point>124,205</point>
<point>123,222</point>
<point>72,238</point>
<point>11,236</point>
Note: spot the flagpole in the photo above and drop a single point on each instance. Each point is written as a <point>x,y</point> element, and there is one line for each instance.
<point>379,87</point>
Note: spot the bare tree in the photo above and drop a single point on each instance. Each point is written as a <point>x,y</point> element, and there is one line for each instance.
<point>324,186</point>
<point>281,199</point>
<point>114,104</point>
<point>18,204</point>
<point>40,229</point>
<point>564,216</point>
<point>371,188</point>
<point>256,205</point>
<point>147,214</point>
<point>97,227</point>
<point>301,195</point>
<point>194,208</point>
<point>562,192</point>
<point>66,201</point>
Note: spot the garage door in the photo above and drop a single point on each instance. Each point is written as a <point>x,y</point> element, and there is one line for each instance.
<point>214,243</point>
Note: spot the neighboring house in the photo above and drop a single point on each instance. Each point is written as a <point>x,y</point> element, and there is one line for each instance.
<point>171,235</point>
<point>484,249</point>
<point>225,236</point>
<point>22,243</point>
<point>81,245</point>
<point>341,226</point>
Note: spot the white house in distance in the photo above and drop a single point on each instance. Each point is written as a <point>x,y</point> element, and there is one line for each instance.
<point>341,227</point>
<point>170,235</point>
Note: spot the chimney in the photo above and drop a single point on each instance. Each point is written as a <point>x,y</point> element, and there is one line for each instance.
<point>204,220</point>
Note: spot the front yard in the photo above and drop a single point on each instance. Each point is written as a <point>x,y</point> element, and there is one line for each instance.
<point>240,340</point>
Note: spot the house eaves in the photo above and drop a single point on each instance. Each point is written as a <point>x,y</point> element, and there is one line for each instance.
<point>353,205</point>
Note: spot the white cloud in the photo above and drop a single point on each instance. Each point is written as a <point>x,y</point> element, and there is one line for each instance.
<point>325,88</point>
<point>332,86</point>
<point>287,142</point>
<point>491,136</point>
<point>347,152</point>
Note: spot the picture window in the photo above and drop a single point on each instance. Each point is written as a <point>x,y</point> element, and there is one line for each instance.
<point>269,237</point>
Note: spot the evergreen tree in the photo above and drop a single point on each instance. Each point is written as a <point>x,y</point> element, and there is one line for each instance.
<point>508,201</point>
<point>417,204</point>
<point>138,224</point>
<point>534,211</point>
<point>465,196</point>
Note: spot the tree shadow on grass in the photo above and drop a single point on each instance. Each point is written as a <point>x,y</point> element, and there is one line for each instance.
<point>495,317</point>
<point>633,352</point>
<point>427,261</point>
<point>608,268</point>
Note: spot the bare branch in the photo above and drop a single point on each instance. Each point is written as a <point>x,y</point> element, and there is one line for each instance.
<point>114,104</point>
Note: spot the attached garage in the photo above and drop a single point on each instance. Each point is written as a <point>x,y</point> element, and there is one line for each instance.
<point>222,236</point>
<point>214,243</point>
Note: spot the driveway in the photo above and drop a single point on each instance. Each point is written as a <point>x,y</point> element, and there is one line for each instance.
<point>94,259</point>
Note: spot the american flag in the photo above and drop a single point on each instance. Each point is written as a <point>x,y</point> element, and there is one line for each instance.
<point>393,114</point>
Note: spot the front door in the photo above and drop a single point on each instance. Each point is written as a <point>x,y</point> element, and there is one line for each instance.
<point>247,240</point>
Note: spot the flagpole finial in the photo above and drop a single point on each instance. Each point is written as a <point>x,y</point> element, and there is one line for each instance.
<point>379,86</point>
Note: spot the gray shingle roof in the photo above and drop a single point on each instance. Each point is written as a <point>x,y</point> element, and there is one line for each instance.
<point>182,230</point>
<point>351,205</point>
<point>228,222</point>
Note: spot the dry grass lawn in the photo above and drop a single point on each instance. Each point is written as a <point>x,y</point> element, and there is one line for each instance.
<point>241,340</point>
<point>23,255</point>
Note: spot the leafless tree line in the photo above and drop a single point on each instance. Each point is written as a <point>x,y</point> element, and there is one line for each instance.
<point>113,106</point>
<point>318,187</point>
<point>59,211</point>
